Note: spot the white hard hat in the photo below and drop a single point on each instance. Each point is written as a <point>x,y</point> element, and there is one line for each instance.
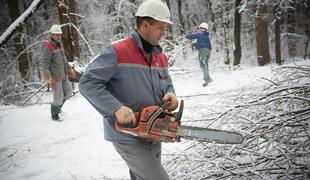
<point>204,25</point>
<point>56,29</point>
<point>154,9</point>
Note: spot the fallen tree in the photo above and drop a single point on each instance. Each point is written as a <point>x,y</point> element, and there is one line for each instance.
<point>275,123</point>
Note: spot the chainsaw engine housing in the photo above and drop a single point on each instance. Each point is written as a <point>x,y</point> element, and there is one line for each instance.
<point>161,127</point>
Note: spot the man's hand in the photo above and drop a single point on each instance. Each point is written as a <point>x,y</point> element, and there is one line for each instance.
<point>173,101</point>
<point>71,72</point>
<point>50,81</point>
<point>125,115</point>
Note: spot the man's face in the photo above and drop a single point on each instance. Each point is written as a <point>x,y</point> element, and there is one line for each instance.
<point>56,37</point>
<point>154,32</point>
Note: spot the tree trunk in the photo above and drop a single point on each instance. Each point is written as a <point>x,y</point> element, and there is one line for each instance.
<point>307,30</point>
<point>189,26</point>
<point>225,26</point>
<point>277,35</point>
<point>182,29</point>
<point>23,64</point>
<point>306,49</point>
<point>211,14</point>
<point>291,24</point>
<point>262,44</point>
<point>28,27</point>
<point>237,38</point>
<point>113,9</point>
<point>70,35</point>
<point>73,31</point>
<point>169,34</point>
<point>133,15</point>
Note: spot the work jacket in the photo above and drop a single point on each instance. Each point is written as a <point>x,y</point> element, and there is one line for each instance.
<point>203,40</point>
<point>122,75</point>
<point>54,62</point>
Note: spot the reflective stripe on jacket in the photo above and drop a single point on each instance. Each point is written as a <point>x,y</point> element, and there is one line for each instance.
<point>122,75</point>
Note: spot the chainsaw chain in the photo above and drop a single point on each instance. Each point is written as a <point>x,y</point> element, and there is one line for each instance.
<point>207,140</point>
<point>204,140</point>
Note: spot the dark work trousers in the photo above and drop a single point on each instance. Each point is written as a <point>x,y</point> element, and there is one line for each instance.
<point>143,160</point>
<point>62,90</point>
<point>204,56</point>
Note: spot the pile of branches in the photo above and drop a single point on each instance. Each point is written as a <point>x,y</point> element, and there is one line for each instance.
<point>275,123</point>
<point>20,94</point>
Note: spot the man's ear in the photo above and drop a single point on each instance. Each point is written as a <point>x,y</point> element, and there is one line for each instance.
<point>145,24</point>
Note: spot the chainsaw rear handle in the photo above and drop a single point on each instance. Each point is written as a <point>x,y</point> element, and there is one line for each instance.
<point>125,128</point>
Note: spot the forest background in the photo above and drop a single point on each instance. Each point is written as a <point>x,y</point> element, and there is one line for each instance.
<point>272,30</point>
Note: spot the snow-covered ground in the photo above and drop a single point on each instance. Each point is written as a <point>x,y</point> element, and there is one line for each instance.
<point>32,146</point>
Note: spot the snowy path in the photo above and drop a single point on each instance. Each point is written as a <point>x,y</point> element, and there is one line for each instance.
<point>34,147</point>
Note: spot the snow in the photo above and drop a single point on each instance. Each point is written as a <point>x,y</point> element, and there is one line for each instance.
<point>32,146</point>
<point>223,81</point>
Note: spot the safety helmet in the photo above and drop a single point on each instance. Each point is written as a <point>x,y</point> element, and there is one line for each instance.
<point>56,29</point>
<point>204,25</point>
<point>155,9</point>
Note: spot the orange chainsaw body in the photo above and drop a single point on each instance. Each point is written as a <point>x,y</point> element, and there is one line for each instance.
<point>163,128</point>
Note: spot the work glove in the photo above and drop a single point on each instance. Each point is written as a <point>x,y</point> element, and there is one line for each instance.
<point>173,101</point>
<point>71,72</point>
<point>124,115</point>
<point>50,81</point>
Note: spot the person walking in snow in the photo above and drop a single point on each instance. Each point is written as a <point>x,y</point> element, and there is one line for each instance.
<point>126,76</point>
<point>203,44</point>
<point>56,70</point>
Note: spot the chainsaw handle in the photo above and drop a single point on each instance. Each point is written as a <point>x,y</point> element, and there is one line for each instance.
<point>118,125</point>
<point>165,105</point>
<point>180,113</point>
<point>125,129</point>
<point>152,119</point>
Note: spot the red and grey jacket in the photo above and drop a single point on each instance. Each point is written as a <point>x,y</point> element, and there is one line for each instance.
<point>122,75</point>
<point>54,62</point>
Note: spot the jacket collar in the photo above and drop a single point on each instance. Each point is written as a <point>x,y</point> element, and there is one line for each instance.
<point>135,36</point>
<point>56,43</point>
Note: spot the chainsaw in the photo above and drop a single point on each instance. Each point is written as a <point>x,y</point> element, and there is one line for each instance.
<point>159,124</point>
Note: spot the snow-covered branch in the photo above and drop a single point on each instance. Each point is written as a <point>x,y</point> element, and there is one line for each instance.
<point>82,36</point>
<point>19,21</point>
<point>86,42</point>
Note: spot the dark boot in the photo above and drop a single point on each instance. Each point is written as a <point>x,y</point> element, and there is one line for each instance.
<point>55,112</point>
<point>63,102</point>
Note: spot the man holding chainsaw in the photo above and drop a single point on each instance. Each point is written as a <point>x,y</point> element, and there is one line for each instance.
<point>125,77</point>
<point>56,70</point>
